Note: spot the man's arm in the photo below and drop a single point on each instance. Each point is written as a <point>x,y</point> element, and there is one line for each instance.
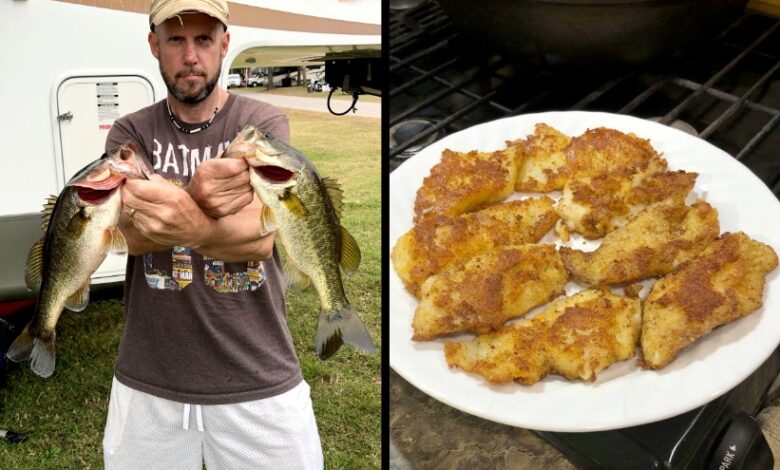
<point>218,213</point>
<point>166,215</point>
<point>137,243</point>
<point>238,237</point>
<point>221,186</point>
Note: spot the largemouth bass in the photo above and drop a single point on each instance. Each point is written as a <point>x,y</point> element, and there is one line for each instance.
<point>306,210</point>
<point>80,228</point>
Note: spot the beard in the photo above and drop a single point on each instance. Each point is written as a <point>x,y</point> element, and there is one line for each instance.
<point>194,95</point>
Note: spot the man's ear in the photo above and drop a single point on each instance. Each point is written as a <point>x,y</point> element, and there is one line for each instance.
<point>154,45</point>
<point>225,43</point>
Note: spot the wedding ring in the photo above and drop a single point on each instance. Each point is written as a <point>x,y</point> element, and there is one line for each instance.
<point>130,213</point>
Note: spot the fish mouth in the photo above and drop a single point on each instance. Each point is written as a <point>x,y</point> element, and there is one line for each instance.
<point>240,149</point>
<point>100,181</point>
<point>94,196</point>
<point>111,170</point>
<point>265,145</point>
<point>274,173</point>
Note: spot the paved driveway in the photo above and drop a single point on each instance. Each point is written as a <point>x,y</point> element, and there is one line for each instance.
<point>364,108</point>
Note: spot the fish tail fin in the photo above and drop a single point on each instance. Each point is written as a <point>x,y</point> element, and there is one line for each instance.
<point>43,357</point>
<point>22,346</point>
<point>337,328</point>
<point>40,351</point>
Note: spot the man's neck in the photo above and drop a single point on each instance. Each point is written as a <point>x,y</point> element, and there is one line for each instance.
<point>198,112</point>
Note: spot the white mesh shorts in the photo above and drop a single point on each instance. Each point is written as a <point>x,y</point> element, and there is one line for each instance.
<point>147,432</point>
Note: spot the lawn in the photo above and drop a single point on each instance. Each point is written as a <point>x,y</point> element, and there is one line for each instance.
<point>64,415</point>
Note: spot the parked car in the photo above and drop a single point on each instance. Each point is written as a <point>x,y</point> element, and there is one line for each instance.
<point>233,79</point>
<point>257,79</point>
<point>316,85</point>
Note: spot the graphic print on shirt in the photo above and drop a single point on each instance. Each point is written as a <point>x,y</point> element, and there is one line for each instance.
<point>175,165</point>
<point>158,278</point>
<point>224,282</point>
<point>182,266</point>
<point>214,273</point>
<point>180,160</point>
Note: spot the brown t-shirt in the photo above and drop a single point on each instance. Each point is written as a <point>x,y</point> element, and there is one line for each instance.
<point>198,330</point>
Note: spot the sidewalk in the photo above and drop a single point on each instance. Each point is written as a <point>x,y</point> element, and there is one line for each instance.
<point>364,108</point>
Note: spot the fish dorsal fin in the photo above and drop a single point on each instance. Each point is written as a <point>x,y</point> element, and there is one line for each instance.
<point>116,241</point>
<point>350,253</point>
<point>34,268</point>
<point>267,221</point>
<point>79,300</point>
<point>48,209</point>
<point>293,276</point>
<point>336,194</point>
<point>293,204</point>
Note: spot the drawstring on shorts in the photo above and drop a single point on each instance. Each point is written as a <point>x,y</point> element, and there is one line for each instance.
<point>185,424</point>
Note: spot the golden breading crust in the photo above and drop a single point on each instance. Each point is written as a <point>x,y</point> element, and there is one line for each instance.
<point>611,177</point>
<point>575,337</point>
<point>461,182</point>
<point>438,241</point>
<point>655,242</point>
<point>601,151</point>
<point>595,206</point>
<point>722,285</point>
<point>541,168</point>
<point>480,294</point>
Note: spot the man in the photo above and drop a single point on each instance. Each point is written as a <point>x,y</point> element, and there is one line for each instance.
<point>206,369</point>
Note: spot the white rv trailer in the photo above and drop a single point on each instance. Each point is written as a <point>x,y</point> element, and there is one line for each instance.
<point>69,68</point>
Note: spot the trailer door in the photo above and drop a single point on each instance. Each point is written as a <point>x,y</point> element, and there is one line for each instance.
<point>86,108</point>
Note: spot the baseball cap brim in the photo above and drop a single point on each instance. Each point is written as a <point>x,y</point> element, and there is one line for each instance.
<point>215,9</point>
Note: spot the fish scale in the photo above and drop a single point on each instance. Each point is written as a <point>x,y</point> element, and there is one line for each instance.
<point>305,211</point>
<point>301,235</point>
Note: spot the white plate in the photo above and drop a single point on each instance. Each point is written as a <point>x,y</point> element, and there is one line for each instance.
<point>624,395</point>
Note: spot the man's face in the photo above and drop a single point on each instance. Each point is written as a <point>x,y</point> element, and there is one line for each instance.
<point>190,49</point>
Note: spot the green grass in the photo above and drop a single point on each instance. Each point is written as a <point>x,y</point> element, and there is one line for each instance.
<point>64,415</point>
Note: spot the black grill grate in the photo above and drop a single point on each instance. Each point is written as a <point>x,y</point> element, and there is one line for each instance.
<point>729,91</point>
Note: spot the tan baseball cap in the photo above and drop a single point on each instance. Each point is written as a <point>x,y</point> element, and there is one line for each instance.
<point>161,10</point>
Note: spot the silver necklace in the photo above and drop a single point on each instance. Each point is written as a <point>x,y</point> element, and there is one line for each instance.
<point>197,129</point>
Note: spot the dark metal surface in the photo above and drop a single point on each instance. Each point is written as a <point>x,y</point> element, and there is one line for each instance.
<point>590,33</point>
<point>729,91</point>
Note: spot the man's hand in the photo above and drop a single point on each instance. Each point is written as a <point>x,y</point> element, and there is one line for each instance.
<point>165,213</point>
<point>221,186</point>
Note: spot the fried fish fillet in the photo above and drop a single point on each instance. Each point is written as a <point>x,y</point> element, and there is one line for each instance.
<point>595,206</point>
<point>544,158</point>
<point>480,294</point>
<point>575,337</point>
<point>654,243</point>
<point>437,241</point>
<point>602,151</point>
<point>612,176</point>
<point>461,182</point>
<point>724,284</point>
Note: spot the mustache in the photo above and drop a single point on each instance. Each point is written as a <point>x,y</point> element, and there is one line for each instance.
<point>190,72</point>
